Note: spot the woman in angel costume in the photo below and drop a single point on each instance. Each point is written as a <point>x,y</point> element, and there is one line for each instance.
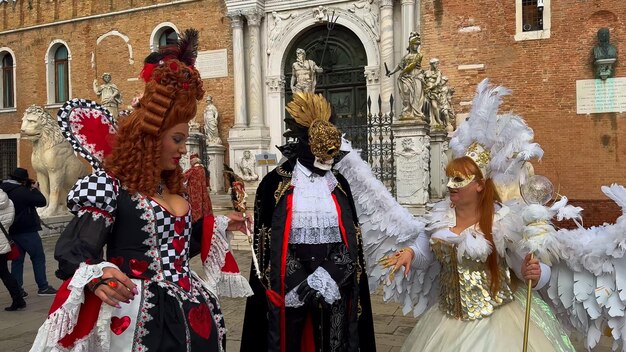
<point>461,260</point>
<point>310,289</point>
<point>141,295</point>
<point>471,240</point>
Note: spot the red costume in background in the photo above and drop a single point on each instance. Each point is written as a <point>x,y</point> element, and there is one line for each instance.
<point>198,191</point>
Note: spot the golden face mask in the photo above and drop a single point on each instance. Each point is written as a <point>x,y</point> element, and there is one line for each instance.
<point>325,140</point>
<point>459,180</point>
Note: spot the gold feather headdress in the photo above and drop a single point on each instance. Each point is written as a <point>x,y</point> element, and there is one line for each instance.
<point>309,121</point>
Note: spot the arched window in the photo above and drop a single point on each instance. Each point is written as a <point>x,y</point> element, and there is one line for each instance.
<point>169,36</point>
<point>8,81</point>
<point>61,75</point>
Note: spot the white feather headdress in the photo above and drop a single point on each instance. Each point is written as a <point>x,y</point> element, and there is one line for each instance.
<point>499,144</point>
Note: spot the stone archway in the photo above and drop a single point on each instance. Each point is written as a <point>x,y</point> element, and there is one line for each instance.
<point>278,59</point>
<point>342,82</point>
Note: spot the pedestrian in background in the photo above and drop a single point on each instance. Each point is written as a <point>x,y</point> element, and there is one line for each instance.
<point>26,196</point>
<point>7,213</point>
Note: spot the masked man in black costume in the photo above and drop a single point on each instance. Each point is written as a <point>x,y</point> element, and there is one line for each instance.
<point>312,292</point>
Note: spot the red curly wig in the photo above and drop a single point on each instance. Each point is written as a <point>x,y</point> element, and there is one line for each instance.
<point>172,91</point>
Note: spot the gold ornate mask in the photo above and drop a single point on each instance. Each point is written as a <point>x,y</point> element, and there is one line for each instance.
<point>459,180</point>
<point>325,140</point>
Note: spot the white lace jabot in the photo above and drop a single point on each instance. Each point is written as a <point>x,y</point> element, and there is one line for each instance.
<point>314,217</point>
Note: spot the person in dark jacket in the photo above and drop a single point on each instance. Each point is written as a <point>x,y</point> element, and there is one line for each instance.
<point>25,195</point>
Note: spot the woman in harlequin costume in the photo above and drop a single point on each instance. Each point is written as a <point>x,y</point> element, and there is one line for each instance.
<point>126,254</point>
<point>310,287</point>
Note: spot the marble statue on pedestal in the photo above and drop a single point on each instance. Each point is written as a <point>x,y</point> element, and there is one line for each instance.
<point>304,73</point>
<point>110,96</point>
<point>604,55</point>
<point>53,159</point>
<point>411,80</point>
<point>432,91</point>
<point>210,122</point>
<point>246,166</point>
<point>447,113</point>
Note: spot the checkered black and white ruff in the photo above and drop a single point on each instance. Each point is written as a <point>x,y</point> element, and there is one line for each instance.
<point>97,190</point>
<point>173,247</point>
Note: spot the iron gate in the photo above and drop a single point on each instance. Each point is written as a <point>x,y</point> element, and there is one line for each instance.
<point>380,145</point>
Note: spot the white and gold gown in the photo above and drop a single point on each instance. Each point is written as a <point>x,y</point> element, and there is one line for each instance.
<point>468,317</point>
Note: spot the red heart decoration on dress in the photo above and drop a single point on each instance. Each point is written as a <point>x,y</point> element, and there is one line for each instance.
<point>179,226</point>
<point>138,267</point>
<point>120,324</point>
<point>179,244</point>
<point>200,320</point>
<point>117,261</point>
<point>184,283</point>
<point>178,264</point>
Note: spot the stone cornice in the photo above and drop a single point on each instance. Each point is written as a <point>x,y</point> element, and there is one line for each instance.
<point>244,5</point>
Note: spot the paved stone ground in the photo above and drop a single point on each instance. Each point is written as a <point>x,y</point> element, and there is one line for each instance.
<point>19,328</point>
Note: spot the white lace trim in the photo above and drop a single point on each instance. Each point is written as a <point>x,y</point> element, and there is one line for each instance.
<point>62,321</point>
<point>315,235</point>
<point>321,281</point>
<point>321,218</point>
<point>217,254</point>
<point>292,299</point>
<point>312,194</point>
<point>233,285</point>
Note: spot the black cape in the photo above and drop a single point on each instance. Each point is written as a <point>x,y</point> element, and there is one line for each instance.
<point>262,323</point>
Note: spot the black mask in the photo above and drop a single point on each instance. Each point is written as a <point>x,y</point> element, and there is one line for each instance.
<point>306,158</point>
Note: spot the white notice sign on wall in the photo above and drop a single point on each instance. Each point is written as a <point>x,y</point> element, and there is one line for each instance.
<point>595,96</point>
<point>212,63</point>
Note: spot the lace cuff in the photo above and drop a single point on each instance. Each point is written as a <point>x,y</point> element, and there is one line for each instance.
<point>321,281</point>
<point>62,321</point>
<point>292,299</point>
<point>217,253</point>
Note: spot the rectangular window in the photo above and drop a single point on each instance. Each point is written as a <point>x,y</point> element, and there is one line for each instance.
<point>8,157</point>
<point>7,87</point>
<point>532,16</point>
<point>62,86</point>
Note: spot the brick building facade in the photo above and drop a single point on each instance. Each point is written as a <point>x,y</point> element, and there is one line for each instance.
<point>99,36</point>
<point>478,39</point>
<point>472,40</point>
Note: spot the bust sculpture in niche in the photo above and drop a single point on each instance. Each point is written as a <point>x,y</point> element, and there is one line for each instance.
<point>604,55</point>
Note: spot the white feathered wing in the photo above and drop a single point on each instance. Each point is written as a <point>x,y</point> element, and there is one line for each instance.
<point>588,286</point>
<point>386,227</point>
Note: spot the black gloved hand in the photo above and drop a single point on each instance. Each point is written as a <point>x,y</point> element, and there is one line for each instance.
<point>307,294</point>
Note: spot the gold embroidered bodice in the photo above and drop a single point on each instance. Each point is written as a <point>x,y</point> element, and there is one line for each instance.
<point>465,285</point>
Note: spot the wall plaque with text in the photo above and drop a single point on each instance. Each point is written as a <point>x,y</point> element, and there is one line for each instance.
<point>595,96</point>
<point>212,63</point>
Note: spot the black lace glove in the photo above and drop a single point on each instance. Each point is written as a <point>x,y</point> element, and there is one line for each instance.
<point>309,295</point>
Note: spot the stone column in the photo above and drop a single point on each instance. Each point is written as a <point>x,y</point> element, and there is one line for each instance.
<point>418,16</point>
<point>275,105</point>
<point>372,78</point>
<point>192,144</point>
<point>239,69</point>
<point>216,167</point>
<point>408,19</point>
<point>255,81</point>
<point>412,154</point>
<point>438,162</point>
<point>386,53</point>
